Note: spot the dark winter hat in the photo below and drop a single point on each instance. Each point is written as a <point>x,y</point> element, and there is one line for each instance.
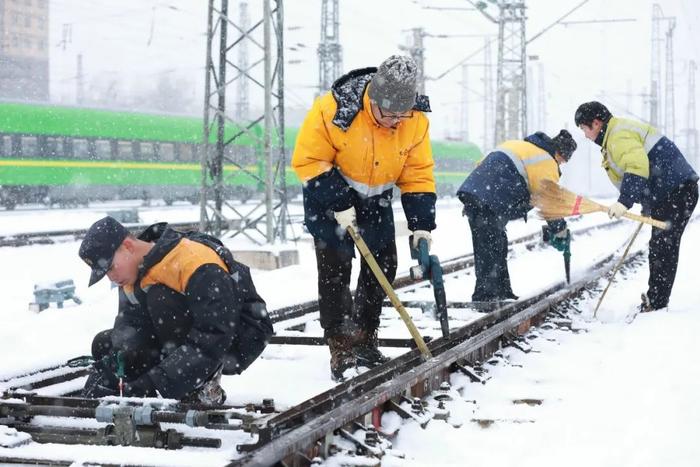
<point>102,240</point>
<point>393,87</point>
<point>589,111</point>
<point>565,144</point>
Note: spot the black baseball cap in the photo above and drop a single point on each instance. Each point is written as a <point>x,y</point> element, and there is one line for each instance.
<point>102,240</point>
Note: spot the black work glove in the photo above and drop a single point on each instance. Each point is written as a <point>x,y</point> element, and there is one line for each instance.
<point>140,387</point>
<point>102,379</point>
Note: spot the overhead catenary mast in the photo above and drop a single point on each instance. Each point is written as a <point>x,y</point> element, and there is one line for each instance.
<point>330,52</point>
<point>221,132</point>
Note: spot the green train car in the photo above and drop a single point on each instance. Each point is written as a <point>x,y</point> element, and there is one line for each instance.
<point>69,156</point>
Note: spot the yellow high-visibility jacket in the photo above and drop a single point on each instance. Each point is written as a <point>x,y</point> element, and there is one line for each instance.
<point>344,158</point>
<point>642,163</point>
<point>508,175</point>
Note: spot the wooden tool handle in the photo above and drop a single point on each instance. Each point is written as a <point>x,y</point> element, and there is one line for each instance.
<point>647,220</point>
<point>372,263</point>
<point>636,217</point>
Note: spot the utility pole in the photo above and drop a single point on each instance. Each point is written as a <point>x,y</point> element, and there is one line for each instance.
<point>541,99</point>
<point>242,110</point>
<point>511,74</point>
<point>669,97</point>
<point>464,110</point>
<point>330,52</point>
<point>668,126</point>
<point>79,81</point>
<point>691,145</point>
<point>488,97</point>
<point>416,49</point>
<point>511,79</point>
<point>655,84</point>
<point>218,214</point>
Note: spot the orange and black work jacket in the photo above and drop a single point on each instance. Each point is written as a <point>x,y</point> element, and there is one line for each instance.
<point>508,175</point>
<point>344,158</point>
<point>226,319</point>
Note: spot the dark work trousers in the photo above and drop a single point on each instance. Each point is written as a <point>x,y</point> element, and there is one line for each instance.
<point>165,307</point>
<point>664,245</point>
<point>334,299</point>
<point>490,244</point>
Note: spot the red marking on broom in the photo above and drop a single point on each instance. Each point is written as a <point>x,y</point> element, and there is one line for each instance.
<point>577,205</point>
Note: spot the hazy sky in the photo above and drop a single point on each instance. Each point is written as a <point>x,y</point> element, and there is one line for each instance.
<point>133,42</point>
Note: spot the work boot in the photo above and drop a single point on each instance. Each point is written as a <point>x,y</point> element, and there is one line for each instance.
<point>342,358</point>
<point>210,393</point>
<point>366,350</point>
<point>645,306</point>
<point>508,296</point>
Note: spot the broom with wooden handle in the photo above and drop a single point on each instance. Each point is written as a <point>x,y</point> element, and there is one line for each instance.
<point>555,202</point>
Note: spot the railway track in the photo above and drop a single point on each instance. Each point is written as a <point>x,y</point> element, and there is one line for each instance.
<point>352,409</point>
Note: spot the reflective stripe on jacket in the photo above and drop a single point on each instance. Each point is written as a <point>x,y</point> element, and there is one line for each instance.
<point>506,177</point>
<point>346,159</point>
<point>644,165</point>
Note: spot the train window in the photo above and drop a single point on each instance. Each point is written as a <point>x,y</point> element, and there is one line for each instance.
<point>113,149</point>
<point>167,152</point>
<point>185,152</point>
<point>147,151</point>
<point>177,151</point>
<point>136,150</point>
<point>125,152</point>
<point>80,148</point>
<point>68,148</point>
<point>195,152</point>
<point>92,149</point>
<point>30,147</point>
<point>3,145</point>
<point>16,145</point>
<point>103,150</point>
<point>49,146</point>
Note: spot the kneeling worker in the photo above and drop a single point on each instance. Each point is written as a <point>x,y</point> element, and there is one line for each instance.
<point>187,313</point>
<point>498,191</point>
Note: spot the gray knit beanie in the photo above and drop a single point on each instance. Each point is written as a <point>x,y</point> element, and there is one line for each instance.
<point>393,87</point>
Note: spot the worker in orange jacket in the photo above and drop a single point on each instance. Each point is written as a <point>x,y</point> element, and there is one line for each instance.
<point>358,141</point>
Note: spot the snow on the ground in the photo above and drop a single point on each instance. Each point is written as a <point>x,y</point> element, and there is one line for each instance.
<point>615,394</point>
<point>31,340</point>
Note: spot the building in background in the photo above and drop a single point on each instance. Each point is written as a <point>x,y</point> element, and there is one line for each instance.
<point>24,49</point>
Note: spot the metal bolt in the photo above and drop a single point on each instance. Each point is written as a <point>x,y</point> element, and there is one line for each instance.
<point>268,405</point>
<point>417,405</point>
<point>371,437</point>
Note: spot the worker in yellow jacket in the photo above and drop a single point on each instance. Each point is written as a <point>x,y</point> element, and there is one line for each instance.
<point>649,169</point>
<point>358,141</point>
<point>498,191</point>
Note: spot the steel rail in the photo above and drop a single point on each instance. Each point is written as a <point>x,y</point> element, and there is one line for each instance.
<point>299,427</point>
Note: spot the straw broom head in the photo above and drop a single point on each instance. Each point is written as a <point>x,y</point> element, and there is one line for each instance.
<point>555,202</point>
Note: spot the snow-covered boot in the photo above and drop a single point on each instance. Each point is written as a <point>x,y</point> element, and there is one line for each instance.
<point>645,306</point>
<point>210,393</point>
<point>366,350</point>
<point>342,357</point>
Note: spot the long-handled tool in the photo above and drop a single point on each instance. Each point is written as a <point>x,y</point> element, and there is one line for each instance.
<point>555,202</point>
<point>429,268</point>
<point>372,263</point>
<point>547,236</point>
<point>617,266</point>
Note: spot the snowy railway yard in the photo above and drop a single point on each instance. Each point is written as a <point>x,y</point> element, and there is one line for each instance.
<point>570,390</point>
